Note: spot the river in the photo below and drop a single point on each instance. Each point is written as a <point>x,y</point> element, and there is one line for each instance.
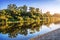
<point>14,32</point>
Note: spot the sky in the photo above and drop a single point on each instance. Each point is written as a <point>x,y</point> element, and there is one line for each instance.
<point>46,5</point>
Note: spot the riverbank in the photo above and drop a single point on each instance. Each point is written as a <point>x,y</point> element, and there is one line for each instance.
<point>53,35</point>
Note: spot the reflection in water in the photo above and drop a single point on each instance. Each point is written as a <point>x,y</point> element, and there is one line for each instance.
<point>13,29</point>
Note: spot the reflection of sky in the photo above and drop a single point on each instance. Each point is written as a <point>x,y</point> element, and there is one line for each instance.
<point>50,5</point>
<point>44,29</point>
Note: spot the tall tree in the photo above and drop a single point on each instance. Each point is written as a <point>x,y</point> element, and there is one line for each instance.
<point>12,6</point>
<point>25,8</point>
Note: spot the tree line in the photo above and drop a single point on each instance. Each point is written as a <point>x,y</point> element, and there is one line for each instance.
<point>22,14</point>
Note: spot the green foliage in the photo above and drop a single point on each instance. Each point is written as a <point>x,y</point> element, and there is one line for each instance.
<point>15,14</point>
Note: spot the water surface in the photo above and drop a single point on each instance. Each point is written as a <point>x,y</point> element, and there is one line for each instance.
<point>14,32</point>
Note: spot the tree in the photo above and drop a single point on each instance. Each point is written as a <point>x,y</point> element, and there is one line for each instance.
<point>20,9</point>
<point>25,8</point>
<point>12,6</point>
<point>48,14</point>
<point>32,9</point>
<point>37,10</point>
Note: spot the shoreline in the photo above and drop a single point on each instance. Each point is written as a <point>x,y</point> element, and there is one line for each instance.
<point>48,36</point>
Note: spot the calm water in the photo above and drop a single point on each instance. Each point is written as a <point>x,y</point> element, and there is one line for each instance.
<point>26,32</point>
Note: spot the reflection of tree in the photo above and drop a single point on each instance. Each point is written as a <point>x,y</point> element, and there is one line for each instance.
<point>13,29</point>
